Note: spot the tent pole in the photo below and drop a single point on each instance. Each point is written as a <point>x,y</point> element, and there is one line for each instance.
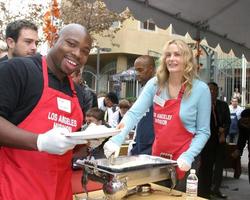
<point>198,41</point>
<point>243,81</point>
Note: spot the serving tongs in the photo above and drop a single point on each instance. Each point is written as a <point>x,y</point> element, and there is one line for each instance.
<point>172,170</point>
<point>84,179</point>
<point>90,171</point>
<point>111,159</point>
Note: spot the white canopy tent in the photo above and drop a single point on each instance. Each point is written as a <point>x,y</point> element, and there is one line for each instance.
<point>224,22</point>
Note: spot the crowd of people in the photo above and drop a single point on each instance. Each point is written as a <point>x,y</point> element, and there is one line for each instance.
<point>42,98</point>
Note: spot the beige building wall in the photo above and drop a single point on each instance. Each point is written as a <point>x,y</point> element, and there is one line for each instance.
<point>121,63</point>
<point>131,39</point>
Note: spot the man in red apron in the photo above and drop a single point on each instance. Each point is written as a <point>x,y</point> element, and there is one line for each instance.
<point>35,158</point>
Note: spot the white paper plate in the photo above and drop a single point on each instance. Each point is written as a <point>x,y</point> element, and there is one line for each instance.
<point>94,134</point>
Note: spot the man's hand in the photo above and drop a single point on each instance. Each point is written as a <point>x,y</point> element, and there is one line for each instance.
<point>236,154</point>
<point>222,137</point>
<point>55,142</point>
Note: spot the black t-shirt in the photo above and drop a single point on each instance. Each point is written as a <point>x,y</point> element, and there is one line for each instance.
<point>89,98</point>
<point>21,86</point>
<point>4,58</point>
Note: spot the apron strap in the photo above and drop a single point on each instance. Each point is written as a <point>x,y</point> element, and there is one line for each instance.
<point>181,92</point>
<point>46,81</point>
<point>72,87</point>
<point>45,72</point>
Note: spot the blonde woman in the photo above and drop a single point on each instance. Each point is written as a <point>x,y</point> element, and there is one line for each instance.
<point>182,107</point>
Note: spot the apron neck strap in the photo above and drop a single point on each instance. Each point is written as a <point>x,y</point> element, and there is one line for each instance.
<point>45,72</point>
<point>72,87</point>
<point>45,77</point>
<point>181,92</point>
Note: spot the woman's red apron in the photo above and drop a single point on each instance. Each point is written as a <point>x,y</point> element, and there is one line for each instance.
<point>171,137</point>
<point>39,175</point>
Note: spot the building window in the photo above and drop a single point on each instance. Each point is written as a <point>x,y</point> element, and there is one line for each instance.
<point>148,25</point>
<point>115,24</point>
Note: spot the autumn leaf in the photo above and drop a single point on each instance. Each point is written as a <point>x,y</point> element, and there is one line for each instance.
<point>49,17</point>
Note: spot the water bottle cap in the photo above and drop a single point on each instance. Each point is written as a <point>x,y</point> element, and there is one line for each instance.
<point>192,171</point>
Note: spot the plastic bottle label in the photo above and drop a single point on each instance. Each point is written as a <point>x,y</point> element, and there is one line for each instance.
<point>192,186</point>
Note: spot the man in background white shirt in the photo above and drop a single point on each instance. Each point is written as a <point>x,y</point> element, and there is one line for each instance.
<point>235,112</point>
<point>108,104</point>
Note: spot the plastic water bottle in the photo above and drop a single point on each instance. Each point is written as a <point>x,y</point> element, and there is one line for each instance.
<point>192,185</point>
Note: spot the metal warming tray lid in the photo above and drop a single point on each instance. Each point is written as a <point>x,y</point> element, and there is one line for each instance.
<point>128,163</point>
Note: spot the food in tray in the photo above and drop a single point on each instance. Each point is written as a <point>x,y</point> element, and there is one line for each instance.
<point>132,163</point>
<point>124,164</point>
<point>136,161</point>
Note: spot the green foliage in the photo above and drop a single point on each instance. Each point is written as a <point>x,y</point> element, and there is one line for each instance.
<point>131,99</point>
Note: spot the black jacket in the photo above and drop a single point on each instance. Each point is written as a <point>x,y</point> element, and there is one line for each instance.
<point>223,120</point>
<point>223,115</point>
<point>244,130</point>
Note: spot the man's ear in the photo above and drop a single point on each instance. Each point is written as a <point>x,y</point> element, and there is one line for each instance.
<point>54,39</point>
<point>10,43</point>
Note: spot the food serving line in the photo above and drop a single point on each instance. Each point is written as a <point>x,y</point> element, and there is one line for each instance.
<point>128,176</point>
<point>125,172</point>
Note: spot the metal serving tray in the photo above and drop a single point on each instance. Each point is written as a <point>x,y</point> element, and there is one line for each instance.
<point>129,163</point>
<point>144,169</point>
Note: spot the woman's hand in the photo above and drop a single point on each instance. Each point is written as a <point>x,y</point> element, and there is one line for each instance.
<point>111,148</point>
<point>120,125</point>
<point>183,164</point>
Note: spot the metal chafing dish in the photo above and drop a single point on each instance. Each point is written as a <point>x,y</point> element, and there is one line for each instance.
<point>126,172</point>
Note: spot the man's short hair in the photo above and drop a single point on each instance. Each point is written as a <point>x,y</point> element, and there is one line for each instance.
<point>234,98</point>
<point>214,84</point>
<point>245,113</point>
<point>147,60</point>
<point>113,97</point>
<point>14,28</point>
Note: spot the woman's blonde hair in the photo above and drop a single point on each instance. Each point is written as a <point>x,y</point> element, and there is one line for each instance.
<point>190,66</point>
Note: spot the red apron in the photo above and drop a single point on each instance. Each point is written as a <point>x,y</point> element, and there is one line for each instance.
<point>171,137</point>
<point>39,175</point>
